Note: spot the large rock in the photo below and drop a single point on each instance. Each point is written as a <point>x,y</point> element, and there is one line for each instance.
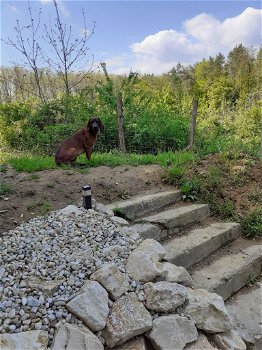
<point>229,341</point>
<point>172,332</point>
<point>201,343</point>
<point>114,281</point>
<point>177,274</point>
<point>71,337</point>
<point>31,340</point>
<point>147,254</point>
<point>70,209</point>
<point>127,319</point>
<point>208,311</point>
<point>152,248</point>
<point>47,287</point>
<point>137,343</point>
<point>164,296</point>
<point>91,305</point>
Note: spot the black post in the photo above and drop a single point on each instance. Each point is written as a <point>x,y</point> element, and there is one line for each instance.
<point>87,198</point>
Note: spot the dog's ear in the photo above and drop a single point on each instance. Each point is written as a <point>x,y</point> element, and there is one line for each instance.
<point>89,124</point>
<point>101,125</point>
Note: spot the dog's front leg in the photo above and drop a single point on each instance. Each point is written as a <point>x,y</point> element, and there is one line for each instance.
<point>88,153</point>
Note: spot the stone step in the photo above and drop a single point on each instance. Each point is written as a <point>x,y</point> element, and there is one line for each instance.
<point>197,244</point>
<point>138,206</point>
<point>247,318</point>
<point>226,274</point>
<point>180,216</point>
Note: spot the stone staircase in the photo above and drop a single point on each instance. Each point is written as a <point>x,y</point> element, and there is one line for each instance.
<point>214,253</point>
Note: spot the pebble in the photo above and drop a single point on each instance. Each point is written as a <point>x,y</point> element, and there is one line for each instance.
<point>61,248</point>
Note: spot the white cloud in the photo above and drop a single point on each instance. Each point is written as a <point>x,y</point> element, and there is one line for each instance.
<point>12,8</point>
<point>202,36</point>
<point>61,6</point>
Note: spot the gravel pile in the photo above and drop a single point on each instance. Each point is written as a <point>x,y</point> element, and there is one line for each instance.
<point>46,261</point>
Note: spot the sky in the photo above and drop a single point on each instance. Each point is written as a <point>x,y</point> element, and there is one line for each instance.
<point>145,36</point>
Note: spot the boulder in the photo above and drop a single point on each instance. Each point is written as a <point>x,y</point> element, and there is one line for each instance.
<point>71,337</point>
<point>137,343</point>
<point>229,341</point>
<point>177,274</point>
<point>128,318</point>
<point>119,221</point>
<point>172,332</point>
<point>91,305</point>
<point>164,296</point>
<point>152,248</point>
<point>47,287</point>
<point>70,209</point>
<point>114,281</point>
<point>33,340</point>
<point>201,343</point>
<point>208,311</point>
<point>147,254</point>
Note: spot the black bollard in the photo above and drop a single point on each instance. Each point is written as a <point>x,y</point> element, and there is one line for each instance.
<point>87,198</point>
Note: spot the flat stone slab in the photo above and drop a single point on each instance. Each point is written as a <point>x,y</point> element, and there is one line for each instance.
<point>180,216</point>
<point>31,340</point>
<point>141,205</point>
<point>72,337</point>
<point>147,230</point>
<point>245,310</point>
<point>128,318</point>
<point>199,243</point>
<point>227,274</point>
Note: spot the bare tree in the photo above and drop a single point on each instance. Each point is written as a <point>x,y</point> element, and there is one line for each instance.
<point>69,53</point>
<point>27,44</point>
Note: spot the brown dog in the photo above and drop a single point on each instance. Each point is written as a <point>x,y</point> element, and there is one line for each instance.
<point>81,142</point>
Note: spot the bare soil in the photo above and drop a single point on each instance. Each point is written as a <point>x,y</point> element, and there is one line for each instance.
<point>35,194</point>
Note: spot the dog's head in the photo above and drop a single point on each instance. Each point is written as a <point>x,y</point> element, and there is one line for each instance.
<point>95,126</point>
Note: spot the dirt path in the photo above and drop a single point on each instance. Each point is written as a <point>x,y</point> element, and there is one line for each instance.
<point>35,194</point>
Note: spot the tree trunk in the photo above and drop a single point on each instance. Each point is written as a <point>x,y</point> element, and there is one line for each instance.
<point>121,135</point>
<point>193,125</point>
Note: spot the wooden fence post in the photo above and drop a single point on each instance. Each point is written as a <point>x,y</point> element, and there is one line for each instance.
<point>121,135</point>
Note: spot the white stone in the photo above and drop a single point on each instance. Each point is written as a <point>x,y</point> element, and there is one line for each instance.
<point>201,343</point>
<point>70,209</point>
<point>119,221</point>
<point>177,274</point>
<point>141,266</point>
<point>229,341</point>
<point>152,248</point>
<point>114,281</point>
<point>101,208</point>
<point>164,296</point>
<point>33,340</point>
<point>137,343</point>
<point>172,332</point>
<point>91,305</point>
<point>127,319</point>
<point>71,337</point>
<point>208,311</point>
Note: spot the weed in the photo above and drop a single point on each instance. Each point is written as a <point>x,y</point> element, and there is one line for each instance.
<point>251,280</point>
<point>252,224</point>
<point>5,188</point>
<point>50,185</point>
<point>3,168</point>
<point>124,193</point>
<point>119,212</point>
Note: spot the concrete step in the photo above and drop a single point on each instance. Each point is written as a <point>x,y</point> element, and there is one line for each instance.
<point>179,216</point>
<point>138,206</point>
<point>197,244</point>
<point>245,310</point>
<point>226,274</point>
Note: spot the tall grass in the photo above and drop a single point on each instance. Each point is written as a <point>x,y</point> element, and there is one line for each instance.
<point>31,163</point>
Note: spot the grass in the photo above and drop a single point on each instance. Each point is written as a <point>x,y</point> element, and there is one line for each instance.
<point>252,224</point>
<point>5,188</point>
<point>31,163</point>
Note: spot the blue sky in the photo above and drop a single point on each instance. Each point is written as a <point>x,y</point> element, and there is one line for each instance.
<point>148,36</point>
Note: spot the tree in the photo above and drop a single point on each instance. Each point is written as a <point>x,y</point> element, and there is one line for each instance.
<point>27,43</point>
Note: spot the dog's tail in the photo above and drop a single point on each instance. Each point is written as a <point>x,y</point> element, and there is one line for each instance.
<point>57,158</point>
